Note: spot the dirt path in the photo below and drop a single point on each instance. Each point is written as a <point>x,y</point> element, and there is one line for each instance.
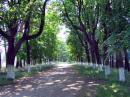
<point>62,81</point>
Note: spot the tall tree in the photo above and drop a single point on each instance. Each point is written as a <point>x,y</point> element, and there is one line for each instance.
<point>17,17</point>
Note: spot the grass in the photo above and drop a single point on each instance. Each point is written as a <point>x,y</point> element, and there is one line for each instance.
<point>4,81</point>
<point>19,74</point>
<point>112,90</point>
<point>112,87</point>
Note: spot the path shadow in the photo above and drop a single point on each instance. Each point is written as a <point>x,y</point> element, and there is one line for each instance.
<point>58,82</point>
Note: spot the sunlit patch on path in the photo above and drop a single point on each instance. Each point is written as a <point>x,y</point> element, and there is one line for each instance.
<point>61,81</point>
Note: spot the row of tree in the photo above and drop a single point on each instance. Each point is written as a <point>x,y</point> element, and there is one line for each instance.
<point>18,24</point>
<point>27,36</point>
<point>99,29</point>
<point>102,27</point>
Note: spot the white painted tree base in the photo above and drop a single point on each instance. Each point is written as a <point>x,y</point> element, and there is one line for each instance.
<point>121,74</point>
<point>3,59</point>
<point>107,70</point>
<point>94,66</point>
<point>81,63</point>
<point>22,63</point>
<point>101,67</point>
<point>15,61</point>
<point>90,64</point>
<point>29,68</point>
<point>10,72</point>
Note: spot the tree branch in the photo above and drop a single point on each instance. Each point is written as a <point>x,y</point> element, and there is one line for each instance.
<point>2,33</point>
<point>82,27</point>
<point>42,24</point>
<point>68,18</point>
<point>25,36</point>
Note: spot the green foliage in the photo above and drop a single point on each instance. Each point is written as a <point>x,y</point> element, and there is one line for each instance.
<point>45,46</point>
<point>112,90</point>
<point>75,48</point>
<point>116,25</point>
<point>4,81</point>
<point>126,37</point>
<point>62,53</point>
<point>17,11</point>
<point>106,16</point>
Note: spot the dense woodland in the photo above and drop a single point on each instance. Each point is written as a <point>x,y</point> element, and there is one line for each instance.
<point>102,28</point>
<point>99,32</point>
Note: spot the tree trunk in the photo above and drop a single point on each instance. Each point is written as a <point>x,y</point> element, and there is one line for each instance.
<point>24,62</point>
<point>126,60</point>
<point>106,62</point>
<point>105,58</point>
<point>117,65</point>
<point>120,59</point>
<point>112,61</point>
<point>107,70</point>
<point>121,74</point>
<point>17,64</point>
<point>28,55</point>
<point>10,59</point>
<point>107,65</point>
<point>87,52</point>
<point>28,52</point>
<point>97,55</point>
<point>93,60</point>
<point>121,66</point>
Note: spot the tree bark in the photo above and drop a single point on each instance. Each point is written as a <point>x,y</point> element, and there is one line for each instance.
<point>10,52</point>
<point>87,52</point>
<point>119,59</point>
<point>117,65</point>
<point>126,60</point>
<point>112,61</point>
<point>121,66</point>
<point>28,55</point>
<point>97,55</point>
<point>28,52</point>
<point>93,60</point>
<point>10,59</point>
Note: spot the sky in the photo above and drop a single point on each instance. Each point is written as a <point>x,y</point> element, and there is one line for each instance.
<point>63,33</point>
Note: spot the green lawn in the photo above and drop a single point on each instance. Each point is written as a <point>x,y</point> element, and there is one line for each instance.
<point>4,81</point>
<point>111,86</point>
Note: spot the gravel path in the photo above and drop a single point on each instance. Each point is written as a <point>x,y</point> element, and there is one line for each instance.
<point>61,81</point>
